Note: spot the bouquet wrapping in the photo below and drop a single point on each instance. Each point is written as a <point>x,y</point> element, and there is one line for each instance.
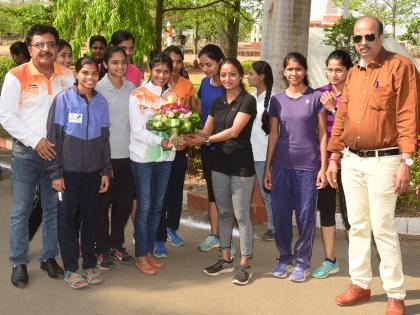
<point>174,118</point>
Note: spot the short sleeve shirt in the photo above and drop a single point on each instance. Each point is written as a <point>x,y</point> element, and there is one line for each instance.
<point>234,157</point>
<point>298,145</point>
<point>207,93</point>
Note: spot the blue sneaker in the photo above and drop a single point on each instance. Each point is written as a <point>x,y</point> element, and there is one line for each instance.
<point>327,268</point>
<point>282,270</point>
<point>209,243</point>
<point>174,238</point>
<point>299,274</point>
<point>160,250</point>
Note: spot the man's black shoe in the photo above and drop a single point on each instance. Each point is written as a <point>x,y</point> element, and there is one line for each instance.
<point>20,276</point>
<point>52,268</point>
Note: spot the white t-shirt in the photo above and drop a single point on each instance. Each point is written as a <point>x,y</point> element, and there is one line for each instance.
<point>259,139</point>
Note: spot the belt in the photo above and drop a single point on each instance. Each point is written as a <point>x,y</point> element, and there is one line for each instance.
<point>375,153</point>
<point>16,141</point>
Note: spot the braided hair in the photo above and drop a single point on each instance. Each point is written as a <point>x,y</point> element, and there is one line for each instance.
<point>264,68</point>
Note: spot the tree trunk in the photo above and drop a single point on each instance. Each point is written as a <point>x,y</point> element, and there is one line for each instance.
<point>196,38</point>
<point>232,34</point>
<point>285,29</point>
<point>159,24</point>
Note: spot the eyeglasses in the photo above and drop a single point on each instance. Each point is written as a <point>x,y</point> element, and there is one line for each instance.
<point>369,37</point>
<point>41,45</point>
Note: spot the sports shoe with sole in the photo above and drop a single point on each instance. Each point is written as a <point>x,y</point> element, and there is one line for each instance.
<point>174,238</point>
<point>209,243</point>
<point>268,236</point>
<point>120,255</point>
<point>282,270</point>
<point>160,249</point>
<point>243,274</point>
<point>299,274</point>
<point>222,266</point>
<point>104,261</point>
<point>327,268</point>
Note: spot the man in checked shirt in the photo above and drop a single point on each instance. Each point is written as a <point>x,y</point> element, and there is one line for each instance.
<point>376,129</point>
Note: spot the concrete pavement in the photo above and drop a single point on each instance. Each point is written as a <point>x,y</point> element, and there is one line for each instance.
<point>182,288</point>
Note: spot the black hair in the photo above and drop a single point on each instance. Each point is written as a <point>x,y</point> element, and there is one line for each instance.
<point>342,56</point>
<point>300,59</point>
<point>264,68</point>
<point>20,48</point>
<point>119,36</point>
<point>62,43</point>
<point>234,62</point>
<point>176,50</point>
<point>108,54</point>
<point>380,25</point>
<point>84,61</point>
<point>97,38</point>
<point>213,52</point>
<point>157,58</point>
<point>41,29</point>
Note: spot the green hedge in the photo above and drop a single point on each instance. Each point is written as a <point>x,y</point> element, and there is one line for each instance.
<point>5,65</point>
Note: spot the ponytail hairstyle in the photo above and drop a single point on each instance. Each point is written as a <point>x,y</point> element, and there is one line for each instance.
<point>155,59</point>
<point>234,62</point>
<point>109,52</point>
<point>300,59</point>
<point>213,52</point>
<point>264,68</point>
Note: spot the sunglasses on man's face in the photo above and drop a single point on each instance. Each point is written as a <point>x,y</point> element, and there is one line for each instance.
<point>368,37</point>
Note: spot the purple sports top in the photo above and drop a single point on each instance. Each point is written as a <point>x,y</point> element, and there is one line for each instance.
<point>298,145</point>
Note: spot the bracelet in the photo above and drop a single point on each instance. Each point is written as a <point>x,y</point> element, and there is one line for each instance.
<point>333,111</point>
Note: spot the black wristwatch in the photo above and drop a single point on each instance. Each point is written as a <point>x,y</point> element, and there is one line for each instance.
<point>207,141</point>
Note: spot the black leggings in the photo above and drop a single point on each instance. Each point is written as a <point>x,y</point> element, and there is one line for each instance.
<point>327,204</point>
<point>206,162</point>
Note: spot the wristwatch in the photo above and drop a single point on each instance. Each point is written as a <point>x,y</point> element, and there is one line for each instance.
<point>333,111</point>
<point>408,161</point>
<point>207,141</point>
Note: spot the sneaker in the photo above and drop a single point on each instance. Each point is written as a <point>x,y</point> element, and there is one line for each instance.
<point>268,236</point>
<point>122,256</point>
<point>299,274</point>
<point>174,238</point>
<point>282,270</point>
<point>104,261</point>
<point>160,250</point>
<point>222,266</point>
<point>209,243</point>
<point>243,274</point>
<point>327,268</point>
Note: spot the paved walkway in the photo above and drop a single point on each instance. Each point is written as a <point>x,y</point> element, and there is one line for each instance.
<point>182,288</point>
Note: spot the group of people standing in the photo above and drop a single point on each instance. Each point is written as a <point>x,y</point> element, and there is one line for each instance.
<point>85,143</point>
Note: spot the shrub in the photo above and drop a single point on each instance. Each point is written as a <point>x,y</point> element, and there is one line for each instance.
<point>5,65</point>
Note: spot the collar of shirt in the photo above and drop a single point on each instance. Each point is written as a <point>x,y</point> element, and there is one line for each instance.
<point>259,97</point>
<point>74,87</point>
<point>108,84</point>
<point>33,70</point>
<point>378,60</point>
<point>238,98</point>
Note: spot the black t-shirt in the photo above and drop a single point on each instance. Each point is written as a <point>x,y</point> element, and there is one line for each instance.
<point>233,157</point>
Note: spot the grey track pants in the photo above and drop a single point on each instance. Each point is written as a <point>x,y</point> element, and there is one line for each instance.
<point>233,196</point>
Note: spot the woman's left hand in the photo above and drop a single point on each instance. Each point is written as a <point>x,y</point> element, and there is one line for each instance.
<point>104,184</point>
<point>194,139</point>
<point>321,179</point>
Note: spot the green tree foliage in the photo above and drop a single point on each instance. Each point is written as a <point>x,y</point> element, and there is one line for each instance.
<point>5,65</point>
<point>16,20</point>
<point>340,35</point>
<point>413,32</point>
<point>391,12</point>
<point>77,20</point>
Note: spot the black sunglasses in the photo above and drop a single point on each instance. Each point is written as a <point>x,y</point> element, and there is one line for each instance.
<point>368,37</point>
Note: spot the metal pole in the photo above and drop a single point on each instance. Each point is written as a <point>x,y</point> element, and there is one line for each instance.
<point>346,9</point>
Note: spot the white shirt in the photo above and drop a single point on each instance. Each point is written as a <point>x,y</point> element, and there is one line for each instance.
<point>119,128</point>
<point>259,139</point>
<point>26,99</point>
<point>145,145</point>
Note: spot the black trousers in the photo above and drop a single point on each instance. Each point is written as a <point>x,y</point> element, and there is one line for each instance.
<point>121,196</point>
<point>172,204</point>
<point>80,198</point>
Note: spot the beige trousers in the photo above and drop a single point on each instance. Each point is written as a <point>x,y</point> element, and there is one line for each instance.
<point>370,199</point>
